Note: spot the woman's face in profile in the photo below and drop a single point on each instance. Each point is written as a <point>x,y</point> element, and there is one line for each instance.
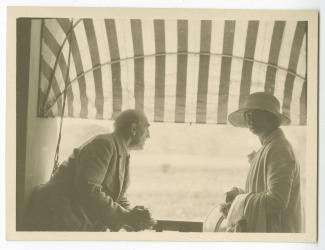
<point>258,121</point>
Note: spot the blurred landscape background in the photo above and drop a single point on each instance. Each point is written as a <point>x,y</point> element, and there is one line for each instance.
<point>184,170</point>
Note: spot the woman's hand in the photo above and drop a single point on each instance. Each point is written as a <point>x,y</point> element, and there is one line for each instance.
<point>231,195</point>
<point>224,208</point>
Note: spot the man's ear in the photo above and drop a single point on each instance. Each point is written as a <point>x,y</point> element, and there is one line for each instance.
<point>133,129</point>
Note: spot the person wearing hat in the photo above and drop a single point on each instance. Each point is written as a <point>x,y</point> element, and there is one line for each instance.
<point>273,181</point>
<point>88,191</point>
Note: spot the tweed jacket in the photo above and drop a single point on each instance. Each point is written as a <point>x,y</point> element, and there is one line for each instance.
<point>88,190</point>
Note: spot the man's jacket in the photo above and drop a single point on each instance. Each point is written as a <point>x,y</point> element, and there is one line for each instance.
<point>87,192</point>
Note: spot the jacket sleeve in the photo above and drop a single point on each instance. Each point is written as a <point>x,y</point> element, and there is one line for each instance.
<point>281,167</point>
<point>93,163</point>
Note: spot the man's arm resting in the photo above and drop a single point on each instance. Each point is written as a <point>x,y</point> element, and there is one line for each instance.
<point>93,161</point>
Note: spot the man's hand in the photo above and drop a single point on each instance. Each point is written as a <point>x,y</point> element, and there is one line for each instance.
<point>139,218</point>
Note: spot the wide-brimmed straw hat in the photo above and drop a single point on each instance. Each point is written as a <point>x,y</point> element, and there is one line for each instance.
<point>260,101</point>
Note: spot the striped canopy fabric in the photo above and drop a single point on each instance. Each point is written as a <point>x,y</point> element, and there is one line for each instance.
<point>193,71</point>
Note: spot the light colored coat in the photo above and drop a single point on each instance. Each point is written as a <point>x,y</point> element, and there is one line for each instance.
<point>274,181</point>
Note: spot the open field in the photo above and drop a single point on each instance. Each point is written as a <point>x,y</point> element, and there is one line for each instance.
<point>184,170</point>
<point>185,192</point>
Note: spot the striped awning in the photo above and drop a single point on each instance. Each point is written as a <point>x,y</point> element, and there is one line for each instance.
<point>195,71</point>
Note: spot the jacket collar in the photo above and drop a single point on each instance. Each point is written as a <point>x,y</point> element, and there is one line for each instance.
<point>121,144</point>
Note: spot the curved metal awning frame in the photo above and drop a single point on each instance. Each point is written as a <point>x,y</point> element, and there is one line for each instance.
<point>68,85</point>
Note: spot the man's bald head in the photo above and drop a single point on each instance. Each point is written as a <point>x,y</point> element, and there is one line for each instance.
<point>125,119</point>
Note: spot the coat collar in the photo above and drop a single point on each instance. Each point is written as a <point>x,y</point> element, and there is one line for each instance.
<point>275,134</point>
<point>121,144</point>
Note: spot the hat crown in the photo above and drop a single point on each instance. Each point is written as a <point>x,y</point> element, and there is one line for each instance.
<point>263,101</point>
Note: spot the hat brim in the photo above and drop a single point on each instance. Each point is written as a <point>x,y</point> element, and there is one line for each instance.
<point>237,118</point>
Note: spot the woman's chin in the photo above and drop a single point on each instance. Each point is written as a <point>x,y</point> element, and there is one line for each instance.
<point>253,130</point>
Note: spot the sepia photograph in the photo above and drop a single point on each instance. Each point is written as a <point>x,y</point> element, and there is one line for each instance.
<point>137,124</point>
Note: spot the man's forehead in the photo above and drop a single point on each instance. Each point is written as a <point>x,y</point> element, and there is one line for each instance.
<point>145,121</point>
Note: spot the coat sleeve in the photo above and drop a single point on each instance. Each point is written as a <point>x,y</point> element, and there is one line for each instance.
<point>93,163</point>
<point>281,167</point>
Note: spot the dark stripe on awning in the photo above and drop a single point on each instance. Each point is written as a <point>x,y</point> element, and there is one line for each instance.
<point>75,52</point>
<point>201,108</point>
<point>115,67</point>
<point>303,104</point>
<point>293,62</point>
<point>247,69</point>
<point>95,61</point>
<point>136,30</point>
<point>159,29</point>
<point>182,46</point>
<point>47,72</point>
<point>277,35</point>
<point>228,41</point>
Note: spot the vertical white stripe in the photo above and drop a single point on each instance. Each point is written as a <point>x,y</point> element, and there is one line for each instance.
<point>298,85</point>
<point>284,57</point>
<point>75,89</point>
<point>286,44</point>
<point>214,71</point>
<point>102,42</point>
<point>107,91</point>
<point>295,102</point>
<point>86,62</point>
<point>194,30</point>
<point>217,30</point>
<point>83,46</point>
<point>262,50</point>
<point>171,68</point>
<point>124,37</point>
<point>237,65</point>
<point>149,68</point>
<point>240,38</point>
<point>104,57</point>
<point>279,85</point>
<point>301,67</point>
<point>54,27</point>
